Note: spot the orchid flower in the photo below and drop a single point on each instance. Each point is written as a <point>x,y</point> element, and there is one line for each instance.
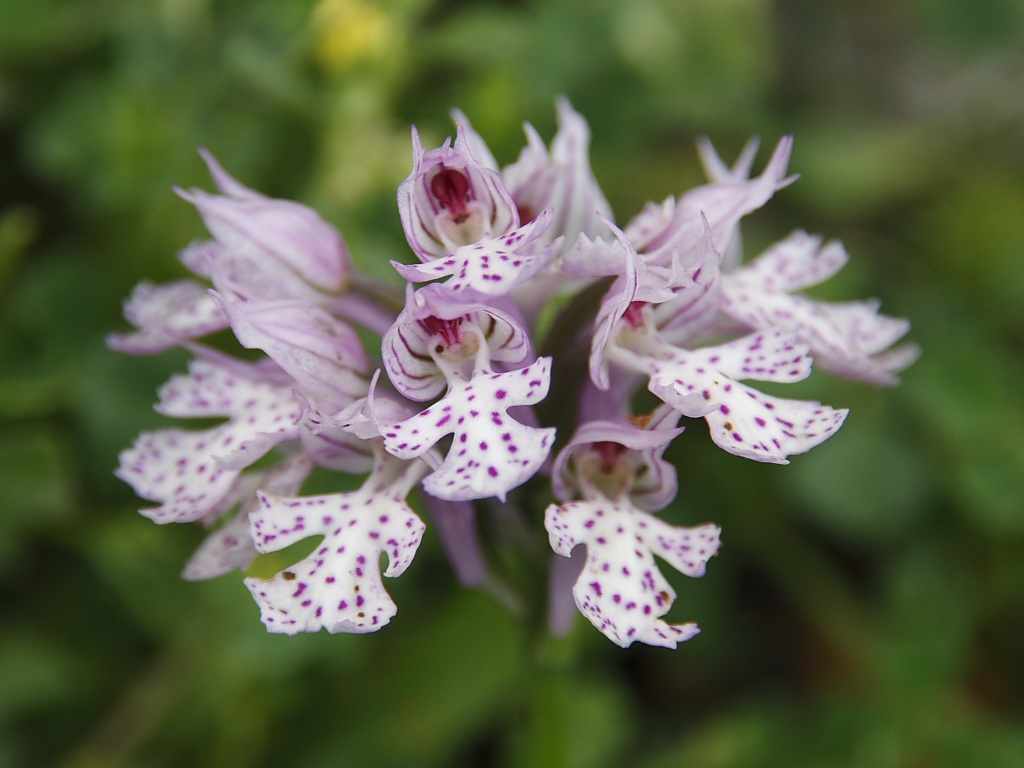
<point>529,317</point>
<point>452,199</point>
<point>619,471</point>
<point>338,586</point>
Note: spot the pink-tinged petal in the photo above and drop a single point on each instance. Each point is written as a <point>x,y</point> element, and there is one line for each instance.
<point>262,413</point>
<point>246,275</point>
<point>167,315</point>
<point>279,230</point>
<point>322,354</point>
<point>597,258</point>
<point>408,362</point>
<point>175,467</point>
<point>263,369</point>
<point>797,262</point>
<point>690,294</point>
<point>452,199</point>
<point>329,443</point>
<point>624,448</point>
<point>338,587</point>
<point>192,473</point>
<point>847,339</point>
<point>225,182</point>
<point>620,590</point>
<point>474,142</point>
<point>722,204</point>
<point>434,325</point>
<point>653,219</point>
<point>695,305</point>
<point>491,453</point>
<point>454,523</point>
<point>199,257</point>
<point>719,173</point>
<point>561,180</point>
<point>715,168</point>
<point>490,267</point>
<point>229,547</point>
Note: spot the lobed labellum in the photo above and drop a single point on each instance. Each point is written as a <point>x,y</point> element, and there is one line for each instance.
<point>491,453</point>
<point>620,589</point>
<point>743,421</point>
<point>338,587</point>
<point>192,473</point>
<point>792,264</point>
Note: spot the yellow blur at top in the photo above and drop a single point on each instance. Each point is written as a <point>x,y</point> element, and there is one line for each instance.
<point>350,32</point>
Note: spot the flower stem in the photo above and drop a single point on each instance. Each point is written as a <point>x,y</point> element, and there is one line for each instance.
<point>551,673</point>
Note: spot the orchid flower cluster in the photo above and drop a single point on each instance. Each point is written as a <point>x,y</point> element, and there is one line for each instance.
<point>512,262</point>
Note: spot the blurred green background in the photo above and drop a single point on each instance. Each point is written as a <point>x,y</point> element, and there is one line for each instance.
<point>867,608</point>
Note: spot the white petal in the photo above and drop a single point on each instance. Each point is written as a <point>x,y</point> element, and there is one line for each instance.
<point>745,422</point>
<point>230,547</point>
<point>847,339</point>
<point>262,413</point>
<point>620,590</point>
<point>338,587</point>
<point>191,473</point>
<point>491,453</point>
<point>490,267</point>
<point>176,467</point>
<point>797,262</point>
<point>167,315</point>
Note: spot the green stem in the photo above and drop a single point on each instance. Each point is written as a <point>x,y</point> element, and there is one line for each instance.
<point>550,695</point>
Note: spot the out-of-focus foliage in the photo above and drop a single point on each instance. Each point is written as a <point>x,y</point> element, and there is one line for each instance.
<point>868,607</point>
